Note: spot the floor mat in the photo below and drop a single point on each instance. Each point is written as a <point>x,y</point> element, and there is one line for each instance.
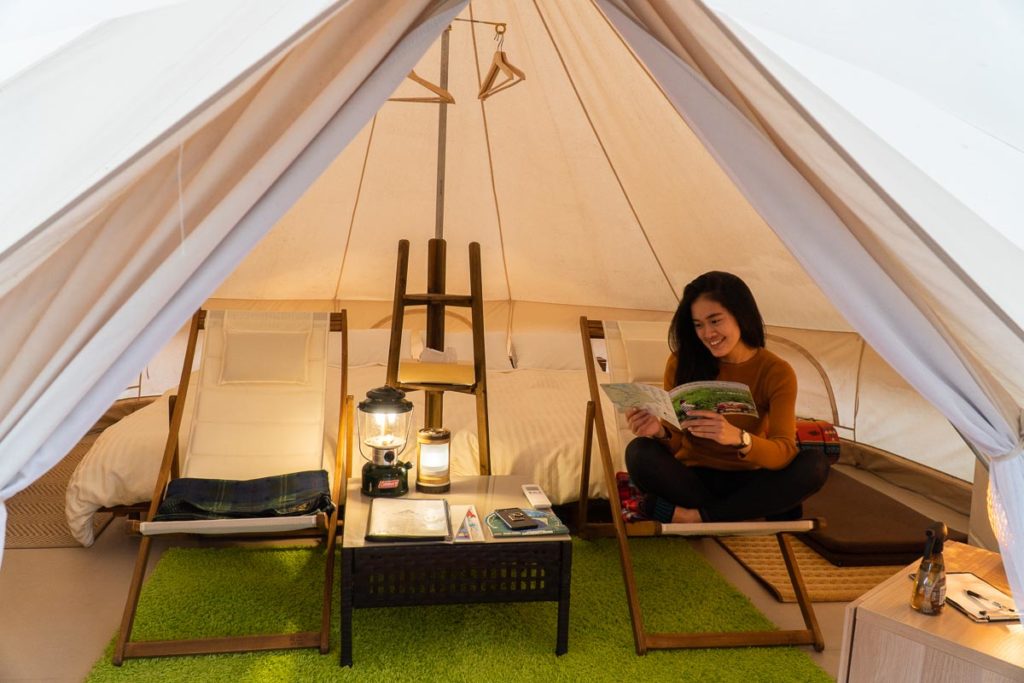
<point>232,591</point>
<point>864,526</point>
<point>35,516</point>
<point>825,582</point>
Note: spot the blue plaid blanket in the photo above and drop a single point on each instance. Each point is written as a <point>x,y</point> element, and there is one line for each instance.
<point>298,493</point>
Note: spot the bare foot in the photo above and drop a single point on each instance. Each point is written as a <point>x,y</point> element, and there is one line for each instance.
<point>685,516</point>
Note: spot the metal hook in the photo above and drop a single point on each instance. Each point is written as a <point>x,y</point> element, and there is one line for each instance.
<point>499,34</point>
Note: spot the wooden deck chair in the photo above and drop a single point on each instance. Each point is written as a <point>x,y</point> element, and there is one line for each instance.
<point>622,530</point>
<point>259,411</point>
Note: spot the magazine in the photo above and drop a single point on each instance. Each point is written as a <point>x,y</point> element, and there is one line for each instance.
<point>548,523</point>
<point>672,406</point>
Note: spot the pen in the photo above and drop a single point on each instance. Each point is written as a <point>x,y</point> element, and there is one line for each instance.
<point>978,596</point>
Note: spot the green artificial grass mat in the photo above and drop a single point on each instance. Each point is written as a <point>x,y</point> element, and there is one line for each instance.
<point>233,591</point>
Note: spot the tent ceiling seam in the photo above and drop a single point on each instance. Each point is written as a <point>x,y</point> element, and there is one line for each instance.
<point>856,388</point>
<point>490,160</point>
<point>181,196</point>
<point>817,366</point>
<point>915,228</point>
<point>604,150</point>
<point>636,60</point>
<point>355,207</point>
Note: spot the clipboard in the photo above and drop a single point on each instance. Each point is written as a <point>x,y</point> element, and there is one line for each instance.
<point>979,600</point>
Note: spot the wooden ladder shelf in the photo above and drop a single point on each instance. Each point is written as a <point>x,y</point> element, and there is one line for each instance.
<point>436,300</point>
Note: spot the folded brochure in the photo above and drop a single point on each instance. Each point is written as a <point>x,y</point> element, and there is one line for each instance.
<point>547,523</point>
<point>672,406</point>
<point>467,523</point>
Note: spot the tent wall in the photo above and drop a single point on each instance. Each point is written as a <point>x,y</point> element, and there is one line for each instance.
<point>552,177</point>
<point>92,292</point>
<point>584,185</point>
<point>575,217</point>
<point>839,376</point>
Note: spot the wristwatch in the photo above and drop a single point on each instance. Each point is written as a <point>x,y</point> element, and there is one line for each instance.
<point>744,439</point>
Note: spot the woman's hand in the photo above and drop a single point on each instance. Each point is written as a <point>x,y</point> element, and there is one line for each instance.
<point>707,424</point>
<point>642,423</point>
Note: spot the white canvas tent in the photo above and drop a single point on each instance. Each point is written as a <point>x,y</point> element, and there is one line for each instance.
<point>646,146</point>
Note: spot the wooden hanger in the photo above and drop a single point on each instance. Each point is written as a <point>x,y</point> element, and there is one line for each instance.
<point>442,95</point>
<point>500,66</point>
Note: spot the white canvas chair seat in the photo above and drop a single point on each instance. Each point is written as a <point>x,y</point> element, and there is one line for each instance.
<point>261,420</point>
<point>258,411</point>
<point>255,413</point>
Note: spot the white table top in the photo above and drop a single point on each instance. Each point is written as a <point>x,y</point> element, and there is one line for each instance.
<point>486,493</point>
<point>997,646</point>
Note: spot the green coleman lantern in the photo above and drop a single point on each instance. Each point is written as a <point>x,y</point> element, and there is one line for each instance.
<point>384,422</point>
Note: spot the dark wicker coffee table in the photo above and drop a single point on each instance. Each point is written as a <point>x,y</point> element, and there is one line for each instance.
<point>523,569</point>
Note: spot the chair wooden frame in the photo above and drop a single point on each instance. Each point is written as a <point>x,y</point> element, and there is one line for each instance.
<point>644,640</point>
<point>326,527</point>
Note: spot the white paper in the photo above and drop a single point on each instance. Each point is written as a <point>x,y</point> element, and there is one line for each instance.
<point>990,603</point>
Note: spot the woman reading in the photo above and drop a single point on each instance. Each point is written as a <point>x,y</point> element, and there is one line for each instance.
<point>724,468</point>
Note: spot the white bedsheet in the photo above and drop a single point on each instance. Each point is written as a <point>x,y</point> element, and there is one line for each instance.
<point>121,466</point>
<point>536,428</point>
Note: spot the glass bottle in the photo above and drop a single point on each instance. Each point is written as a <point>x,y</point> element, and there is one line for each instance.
<point>930,584</point>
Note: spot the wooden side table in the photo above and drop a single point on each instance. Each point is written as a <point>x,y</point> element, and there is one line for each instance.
<point>885,640</point>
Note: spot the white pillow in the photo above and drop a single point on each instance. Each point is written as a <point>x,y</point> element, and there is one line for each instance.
<point>370,347</point>
<point>546,350</point>
<point>277,357</point>
<point>645,360</point>
<point>495,348</point>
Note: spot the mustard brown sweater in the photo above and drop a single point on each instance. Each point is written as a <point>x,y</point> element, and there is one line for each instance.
<point>773,432</point>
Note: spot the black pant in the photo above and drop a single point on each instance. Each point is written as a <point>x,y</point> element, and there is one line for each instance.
<point>726,495</point>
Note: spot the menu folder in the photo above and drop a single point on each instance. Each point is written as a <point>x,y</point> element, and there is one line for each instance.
<point>408,519</point>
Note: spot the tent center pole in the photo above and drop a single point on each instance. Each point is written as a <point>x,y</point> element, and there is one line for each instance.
<point>436,257</point>
<point>442,139</point>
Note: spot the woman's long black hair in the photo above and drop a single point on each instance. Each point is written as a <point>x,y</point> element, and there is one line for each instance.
<point>695,359</point>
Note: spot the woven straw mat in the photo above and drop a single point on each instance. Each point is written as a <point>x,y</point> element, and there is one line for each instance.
<point>35,516</point>
<point>825,582</point>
